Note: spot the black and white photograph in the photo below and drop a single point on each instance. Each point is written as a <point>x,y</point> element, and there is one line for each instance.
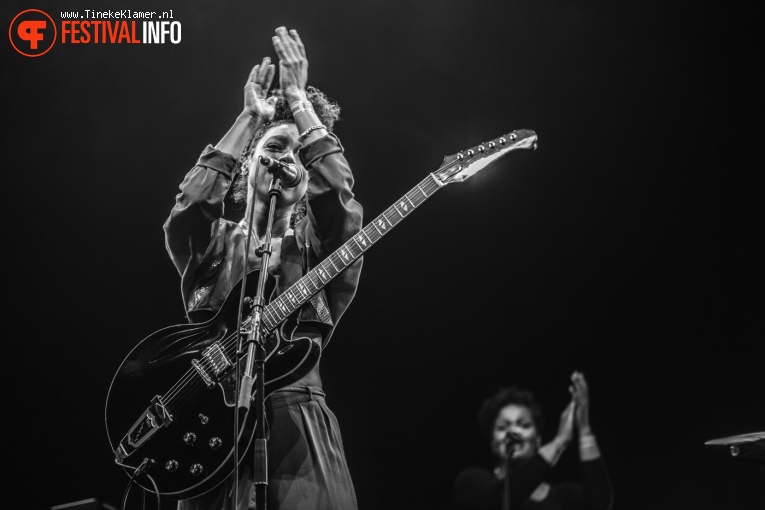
<point>367,255</point>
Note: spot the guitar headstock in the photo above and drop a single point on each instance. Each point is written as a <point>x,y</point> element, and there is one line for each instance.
<point>464,164</point>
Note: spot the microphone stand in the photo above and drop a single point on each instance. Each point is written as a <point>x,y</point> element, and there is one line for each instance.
<point>506,481</point>
<point>510,443</point>
<point>256,358</point>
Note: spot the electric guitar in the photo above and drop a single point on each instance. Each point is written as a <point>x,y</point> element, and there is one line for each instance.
<point>171,407</point>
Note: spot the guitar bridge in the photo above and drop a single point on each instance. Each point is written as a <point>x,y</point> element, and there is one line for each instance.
<point>213,365</point>
<point>154,418</point>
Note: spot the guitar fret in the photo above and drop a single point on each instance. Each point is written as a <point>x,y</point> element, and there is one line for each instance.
<point>270,323</point>
<point>275,317</point>
<point>322,274</point>
<point>357,243</point>
<point>338,259</point>
<point>353,248</point>
<point>436,181</point>
<point>316,286</point>
<point>267,314</point>
<point>347,251</point>
<point>418,199</point>
<point>345,255</point>
<point>371,230</point>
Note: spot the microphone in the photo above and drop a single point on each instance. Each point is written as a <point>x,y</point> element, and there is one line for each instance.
<point>511,438</point>
<point>290,175</point>
<point>512,442</point>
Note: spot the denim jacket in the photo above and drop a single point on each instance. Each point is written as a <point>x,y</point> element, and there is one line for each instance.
<point>208,250</point>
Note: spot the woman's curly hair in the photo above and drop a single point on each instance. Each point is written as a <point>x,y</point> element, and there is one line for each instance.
<point>328,112</point>
<point>504,397</point>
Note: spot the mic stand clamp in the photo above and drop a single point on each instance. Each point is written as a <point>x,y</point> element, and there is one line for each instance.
<point>256,358</point>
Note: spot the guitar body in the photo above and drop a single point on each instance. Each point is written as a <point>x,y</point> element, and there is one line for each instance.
<point>173,399</point>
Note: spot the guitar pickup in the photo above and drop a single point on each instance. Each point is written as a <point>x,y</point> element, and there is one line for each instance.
<point>213,365</point>
<point>155,417</point>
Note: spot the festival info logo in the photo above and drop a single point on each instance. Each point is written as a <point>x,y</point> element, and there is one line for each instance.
<point>32,33</point>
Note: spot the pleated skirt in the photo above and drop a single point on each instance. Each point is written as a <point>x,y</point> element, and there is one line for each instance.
<point>307,469</point>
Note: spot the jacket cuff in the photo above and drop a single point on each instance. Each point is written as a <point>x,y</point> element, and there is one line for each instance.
<point>217,160</point>
<point>324,146</point>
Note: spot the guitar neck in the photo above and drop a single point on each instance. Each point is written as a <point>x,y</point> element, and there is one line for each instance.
<point>301,291</point>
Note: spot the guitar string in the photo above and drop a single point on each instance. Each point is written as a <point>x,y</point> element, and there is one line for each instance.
<point>192,380</point>
<point>179,389</point>
<point>182,388</point>
<point>190,384</point>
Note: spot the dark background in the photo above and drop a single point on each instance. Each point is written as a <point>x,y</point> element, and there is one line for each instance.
<point>627,246</point>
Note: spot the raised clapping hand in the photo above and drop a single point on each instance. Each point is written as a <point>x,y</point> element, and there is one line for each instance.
<point>580,395</point>
<point>552,451</point>
<point>588,446</point>
<point>293,65</point>
<point>577,413</point>
<point>566,424</point>
<point>256,100</point>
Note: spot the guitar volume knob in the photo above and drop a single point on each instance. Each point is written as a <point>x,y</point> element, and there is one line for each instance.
<point>171,466</point>
<point>216,443</point>
<point>189,438</point>
<point>196,469</point>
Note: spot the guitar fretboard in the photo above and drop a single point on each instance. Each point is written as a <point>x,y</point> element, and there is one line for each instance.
<point>301,291</point>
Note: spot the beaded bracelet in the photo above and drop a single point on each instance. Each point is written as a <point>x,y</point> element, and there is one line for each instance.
<point>310,130</point>
<point>301,106</point>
